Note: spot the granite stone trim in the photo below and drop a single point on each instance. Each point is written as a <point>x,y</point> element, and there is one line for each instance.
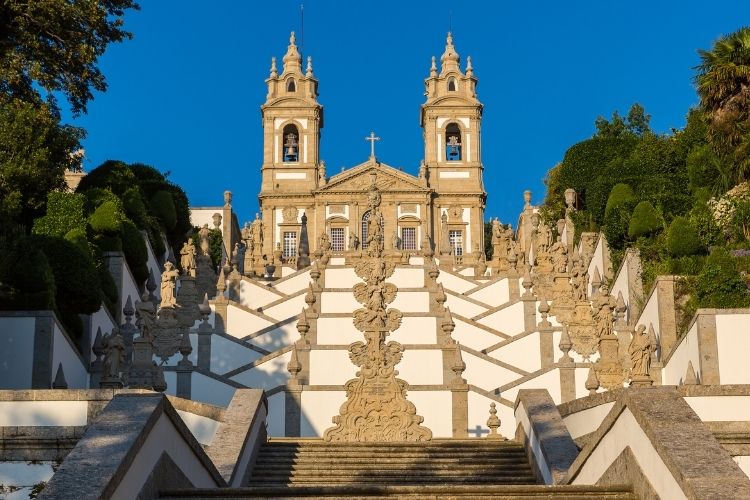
<point>233,437</point>
<point>696,460</point>
<point>708,350</point>
<point>106,452</point>
<point>584,403</point>
<point>273,303</point>
<point>197,408</point>
<point>550,435</point>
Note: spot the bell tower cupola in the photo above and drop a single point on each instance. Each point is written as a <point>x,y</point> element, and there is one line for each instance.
<point>292,119</point>
<point>451,119</point>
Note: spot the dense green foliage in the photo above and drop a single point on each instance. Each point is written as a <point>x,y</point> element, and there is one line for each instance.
<point>644,221</point>
<point>620,195</point>
<point>719,283</point>
<point>26,278</point>
<point>55,46</point>
<point>723,84</point>
<point>682,238</point>
<point>35,150</point>
<point>135,251</point>
<point>215,245</point>
<point>65,212</point>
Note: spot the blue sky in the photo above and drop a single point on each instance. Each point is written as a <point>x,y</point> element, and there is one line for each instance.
<point>184,94</point>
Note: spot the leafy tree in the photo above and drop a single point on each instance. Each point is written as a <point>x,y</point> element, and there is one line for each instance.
<point>723,84</point>
<point>636,123</point>
<point>620,194</point>
<point>35,151</point>
<point>720,284</point>
<point>682,238</point>
<point>55,45</point>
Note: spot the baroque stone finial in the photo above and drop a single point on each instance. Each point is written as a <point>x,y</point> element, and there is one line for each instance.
<point>690,377</point>
<point>59,382</point>
<point>303,326</point>
<point>294,366</point>
<point>544,311</point>
<point>458,366</point>
<point>527,283</point>
<point>493,423</point>
<point>227,199</point>
<point>565,345</point>
<point>592,381</point>
<point>596,281</point>
<point>274,74</point>
<point>433,68</point>
<point>527,198</point>
<point>221,283</point>
<point>309,72</point>
<point>469,67</point>
<point>185,346</point>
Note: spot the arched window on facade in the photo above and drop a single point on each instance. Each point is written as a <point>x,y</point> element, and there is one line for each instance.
<point>291,86</point>
<point>365,225</point>
<point>452,142</point>
<point>452,84</point>
<point>291,144</point>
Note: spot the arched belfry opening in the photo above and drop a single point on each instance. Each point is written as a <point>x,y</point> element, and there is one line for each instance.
<point>452,85</point>
<point>452,142</point>
<point>291,144</point>
<point>291,86</point>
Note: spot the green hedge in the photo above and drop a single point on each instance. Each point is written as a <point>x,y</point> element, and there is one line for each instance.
<point>719,284</point>
<point>619,195</point>
<point>26,278</point>
<point>163,208</point>
<point>135,251</point>
<point>682,238</point>
<point>65,212</point>
<point>644,221</point>
<point>107,218</point>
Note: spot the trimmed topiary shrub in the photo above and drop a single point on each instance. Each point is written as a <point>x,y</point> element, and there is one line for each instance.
<point>644,221</point>
<point>719,284</point>
<point>682,238</point>
<point>135,251</point>
<point>619,195</point>
<point>616,225</point>
<point>107,218</point>
<point>134,207</point>
<point>65,212</point>
<point>78,238</point>
<point>26,278</point>
<point>163,208</point>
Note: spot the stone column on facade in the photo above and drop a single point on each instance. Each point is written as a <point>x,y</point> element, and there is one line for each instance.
<point>184,368</point>
<point>204,336</point>
<point>529,303</point>
<point>226,222</point>
<point>546,331</point>
<point>293,397</point>
<point>708,349</point>
<point>567,367</point>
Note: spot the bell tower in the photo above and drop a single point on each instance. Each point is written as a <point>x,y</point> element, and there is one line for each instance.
<point>451,119</point>
<point>292,119</point>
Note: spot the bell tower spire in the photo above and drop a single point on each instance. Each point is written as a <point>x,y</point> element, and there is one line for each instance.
<point>451,118</point>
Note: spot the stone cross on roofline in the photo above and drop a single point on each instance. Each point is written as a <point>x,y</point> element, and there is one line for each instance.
<point>372,138</point>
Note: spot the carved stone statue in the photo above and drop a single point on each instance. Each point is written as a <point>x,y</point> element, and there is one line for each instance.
<point>168,283</point>
<point>445,244</point>
<point>396,240</point>
<point>353,241</point>
<point>325,243</point>
<point>205,244</point>
<point>559,253</point>
<point>640,350</point>
<point>578,280</point>
<point>543,238</point>
<point>114,354</point>
<point>257,235</point>
<point>187,258</point>
<point>603,306</point>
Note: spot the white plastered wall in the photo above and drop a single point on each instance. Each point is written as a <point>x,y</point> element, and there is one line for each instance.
<point>331,367</point>
<point>465,308</point>
<point>472,336</point>
<point>241,323</point>
<point>16,352</point>
<point>415,330</point>
<point>66,354</point>
<point>407,278</point>
<point>281,336</point>
<point>318,407</point>
<point>455,283</point>
<point>338,302</point>
<point>731,333</point>
<point>101,319</point>
<point>412,302</point>
<point>227,355</point>
<point>276,421</point>
<point>295,284</point>
<point>626,432</point>
<point>493,295</point>
<point>720,408</point>
<point>597,262</point>
<point>685,351</point>
<point>202,428</point>
<point>650,314</point>
<point>43,413</point>
<point>427,402</point>
<point>341,278</point>
<point>254,296</point>
<point>337,331</point>
<point>523,353</point>
<point>509,320</point>
<point>586,421</point>
<point>485,374</point>
<point>549,380</point>
<point>267,375</point>
<point>421,367</point>
<point>209,390</point>
<point>129,286</point>
<point>287,308</point>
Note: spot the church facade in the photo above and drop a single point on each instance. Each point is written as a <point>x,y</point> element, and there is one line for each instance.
<point>440,211</point>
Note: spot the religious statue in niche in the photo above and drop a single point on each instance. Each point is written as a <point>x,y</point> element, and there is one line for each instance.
<point>559,253</point>
<point>204,235</point>
<point>187,258</point>
<point>168,284</point>
<point>603,306</point>
<point>114,355</point>
<point>247,236</point>
<point>641,349</point>
<point>257,231</point>
<point>353,241</point>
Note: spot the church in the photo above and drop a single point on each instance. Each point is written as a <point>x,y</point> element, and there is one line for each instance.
<point>356,341</point>
<point>443,204</point>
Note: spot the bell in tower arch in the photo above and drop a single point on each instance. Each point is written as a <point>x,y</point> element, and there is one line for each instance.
<point>291,144</point>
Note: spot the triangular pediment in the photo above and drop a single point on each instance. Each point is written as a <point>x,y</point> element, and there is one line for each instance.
<point>359,179</point>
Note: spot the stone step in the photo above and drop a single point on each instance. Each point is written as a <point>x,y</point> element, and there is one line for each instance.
<point>393,475</point>
<point>406,480</point>
<point>395,462</point>
<point>412,457</point>
<point>447,492</point>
